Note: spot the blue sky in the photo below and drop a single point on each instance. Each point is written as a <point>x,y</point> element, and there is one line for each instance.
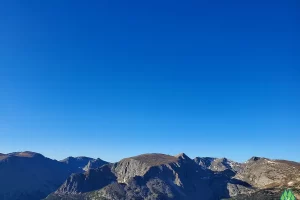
<point>112,79</point>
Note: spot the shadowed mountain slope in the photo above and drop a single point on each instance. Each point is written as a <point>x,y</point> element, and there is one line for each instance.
<point>31,176</point>
<point>28,175</point>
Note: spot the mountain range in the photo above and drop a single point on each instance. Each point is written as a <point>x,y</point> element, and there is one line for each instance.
<point>31,176</point>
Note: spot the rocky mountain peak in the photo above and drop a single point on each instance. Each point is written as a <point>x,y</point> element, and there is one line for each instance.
<point>218,164</point>
<point>224,160</point>
<point>255,158</point>
<point>204,162</point>
<point>77,163</point>
<point>182,156</point>
<point>92,164</point>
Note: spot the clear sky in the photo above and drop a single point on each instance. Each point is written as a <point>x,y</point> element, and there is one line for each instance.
<point>112,79</point>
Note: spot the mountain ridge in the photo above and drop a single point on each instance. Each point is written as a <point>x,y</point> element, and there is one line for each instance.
<point>146,176</point>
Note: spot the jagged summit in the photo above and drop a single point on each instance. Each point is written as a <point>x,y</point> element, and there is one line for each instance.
<point>183,156</point>
<point>204,162</point>
<point>224,160</point>
<point>92,164</point>
<point>255,158</point>
<point>77,163</point>
<point>83,163</point>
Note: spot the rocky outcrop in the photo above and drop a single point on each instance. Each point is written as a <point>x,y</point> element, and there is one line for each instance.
<point>140,165</point>
<point>95,163</point>
<point>204,162</point>
<point>77,163</point>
